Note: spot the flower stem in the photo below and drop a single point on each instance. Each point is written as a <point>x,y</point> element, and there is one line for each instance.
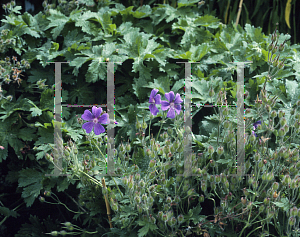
<point>163,120</point>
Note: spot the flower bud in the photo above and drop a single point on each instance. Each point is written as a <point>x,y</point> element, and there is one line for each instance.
<point>282,121</point>
<point>180,219</point>
<point>142,183</point>
<point>54,233</point>
<point>114,207</point>
<point>168,200</point>
<point>148,152</point>
<point>128,147</point>
<point>281,47</point>
<point>137,199</point>
<point>211,93</point>
<point>210,150</point>
<point>152,163</point>
<point>268,108</point>
<point>212,178</point>
<point>220,151</point>
<point>218,178</point>
<point>160,215</point>
<point>243,200</point>
<point>281,132</point>
<point>273,114</point>
<point>137,124</point>
<point>9,98</point>
<point>271,46</point>
<point>281,114</point>
<point>144,197</point>
<point>130,184</point>
<point>164,217</point>
<point>42,199</point>
<point>137,177</point>
<point>226,184</point>
<point>203,186</point>
<point>267,201</point>
<point>139,208</point>
<point>286,180</point>
<point>270,176</point>
<point>274,49</point>
<point>281,65</point>
<point>292,221</point>
<point>47,193</point>
<point>201,198</point>
<point>264,176</point>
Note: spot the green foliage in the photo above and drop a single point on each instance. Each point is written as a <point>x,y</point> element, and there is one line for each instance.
<point>146,42</point>
<point>31,182</point>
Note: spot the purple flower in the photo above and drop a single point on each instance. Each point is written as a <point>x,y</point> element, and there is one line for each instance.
<point>255,126</point>
<point>172,105</point>
<point>94,120</point>
<point>154,100</point>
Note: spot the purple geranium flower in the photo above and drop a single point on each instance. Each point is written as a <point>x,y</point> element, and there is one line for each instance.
<point>255,126</point>
<point>154,100</point>
<point>174,105</point>
<point>94,120</point>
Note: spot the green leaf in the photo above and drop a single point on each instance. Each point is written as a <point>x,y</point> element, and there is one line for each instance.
<point>284,203</point>
<point>6,212</point>
<point>58,21</point>
<point>143,231</point>
<point>31,182</point>
<point>62,184</point>
<point>185,3</point>
<point>46,101</point>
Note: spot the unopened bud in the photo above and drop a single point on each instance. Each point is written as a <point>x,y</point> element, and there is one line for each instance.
<point>281,132</point>
<point>273,114</point>
<point>281,65</point>
<point>271,46</point>
<point>281,47</point>
<point>292,221</point>
<point>243,200</point>
<point>128,147</point>
<point>211,93</point>
<point>210,150</point>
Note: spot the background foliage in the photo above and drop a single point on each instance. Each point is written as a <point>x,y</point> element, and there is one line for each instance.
<point>148,41</point>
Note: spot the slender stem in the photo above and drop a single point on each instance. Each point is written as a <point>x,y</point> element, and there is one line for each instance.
<point>163,120</point>
<point>254,230</point>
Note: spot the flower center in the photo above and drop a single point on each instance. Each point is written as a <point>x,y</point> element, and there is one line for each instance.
<point>95,120</point>
<point>172,104</point>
